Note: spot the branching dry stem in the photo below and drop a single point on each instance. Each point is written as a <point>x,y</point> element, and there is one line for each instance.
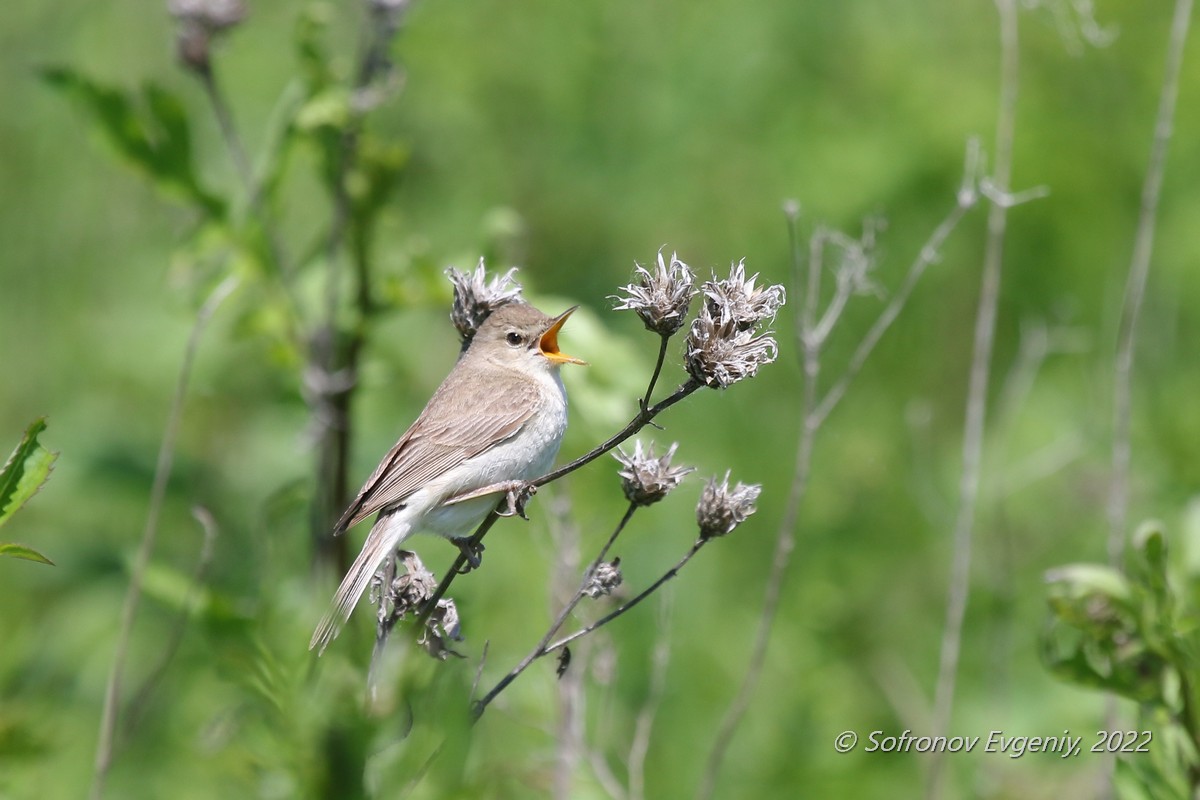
<point>814,329</point>
<point>976,411</point>
<point>541,648</point>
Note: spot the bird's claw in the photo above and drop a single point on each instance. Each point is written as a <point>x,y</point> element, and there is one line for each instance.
<point>472,551</point>
<point>516,498</point>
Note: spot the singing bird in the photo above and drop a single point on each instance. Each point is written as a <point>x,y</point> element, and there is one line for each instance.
<point>496,421</point>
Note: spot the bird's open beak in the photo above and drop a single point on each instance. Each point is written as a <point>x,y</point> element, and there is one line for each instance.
<point>548,344</point>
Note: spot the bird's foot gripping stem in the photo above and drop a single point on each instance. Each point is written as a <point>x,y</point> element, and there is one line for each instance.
<point>472,551</point>
<point>516,496</point>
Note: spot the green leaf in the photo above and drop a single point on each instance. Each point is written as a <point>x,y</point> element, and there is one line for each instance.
<point>1139,779</point>
<point>1074,591</point>
<point>327,109</point>
<point>21,551</point>
<point>26,470</point>
<point>1148,555</point>
<point>1105,632</point>
<point>111,109</point>
<point>150,131</point>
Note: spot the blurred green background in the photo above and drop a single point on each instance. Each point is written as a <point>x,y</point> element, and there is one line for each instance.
<point>573,138</point>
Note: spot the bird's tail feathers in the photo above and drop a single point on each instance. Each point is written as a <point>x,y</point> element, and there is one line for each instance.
<point>380,544</point>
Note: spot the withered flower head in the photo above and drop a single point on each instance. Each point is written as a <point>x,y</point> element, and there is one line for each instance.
<point>407,594</point>
<point>199,21</point>
<point>441,627</point>
<point>719,353</point>
<point>408,590</point>
<point>722,509</point>
<point>475,297</point>
<point>738,300</point>
<point>661,298</point>
<point>645,478</point>
<point>606,578</point>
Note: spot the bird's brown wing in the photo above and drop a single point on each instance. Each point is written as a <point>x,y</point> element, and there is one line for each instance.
<point>489,411</point>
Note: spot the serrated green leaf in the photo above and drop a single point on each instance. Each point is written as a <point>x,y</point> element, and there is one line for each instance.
<point>150,131</point>
<point>111,109</point>
<point>25,471</point>
<point>21,551</point>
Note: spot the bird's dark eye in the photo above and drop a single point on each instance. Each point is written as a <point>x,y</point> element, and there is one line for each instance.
<point>513,338</point>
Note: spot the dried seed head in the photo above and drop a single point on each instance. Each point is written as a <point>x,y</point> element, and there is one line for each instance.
<point>661,298</point>
<point>722,509</point>
<point>407,594</point>
<point>646,479</point>
<point>475,297</point>
<point>738,300</point>
<point>719,353</point>
<point>199,21</point>
<point>408,590</point>
<point>722,347</point>
<point>604,579</point>
<point>441,627</point>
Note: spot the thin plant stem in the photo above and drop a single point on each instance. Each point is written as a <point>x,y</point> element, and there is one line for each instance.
<point>604,775</point>
<point>1131,309</point>
<point>649,590</point>
<point>570,738</point>
<point>662,354</point>
<point>570,734</point>
<point>587,575</point>
<point>479,669</point>
<point>785,540</point>
<point>106,743</point>
<point>636,424</point>
<point>229,132</point>
<point>977,386</point>
<point>541,648</point>
<point>1135,287</point>
<point>142,696</point>
<point>645,718</point>
<point>966,200</point>
<point>815,409</point>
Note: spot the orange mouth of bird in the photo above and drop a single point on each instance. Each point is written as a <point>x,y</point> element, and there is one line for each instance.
<point>548,343</point>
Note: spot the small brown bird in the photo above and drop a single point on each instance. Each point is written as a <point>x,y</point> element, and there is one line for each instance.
<point>497,420</point>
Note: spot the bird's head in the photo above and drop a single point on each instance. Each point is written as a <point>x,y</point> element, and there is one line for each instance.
<point>519,335</point>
